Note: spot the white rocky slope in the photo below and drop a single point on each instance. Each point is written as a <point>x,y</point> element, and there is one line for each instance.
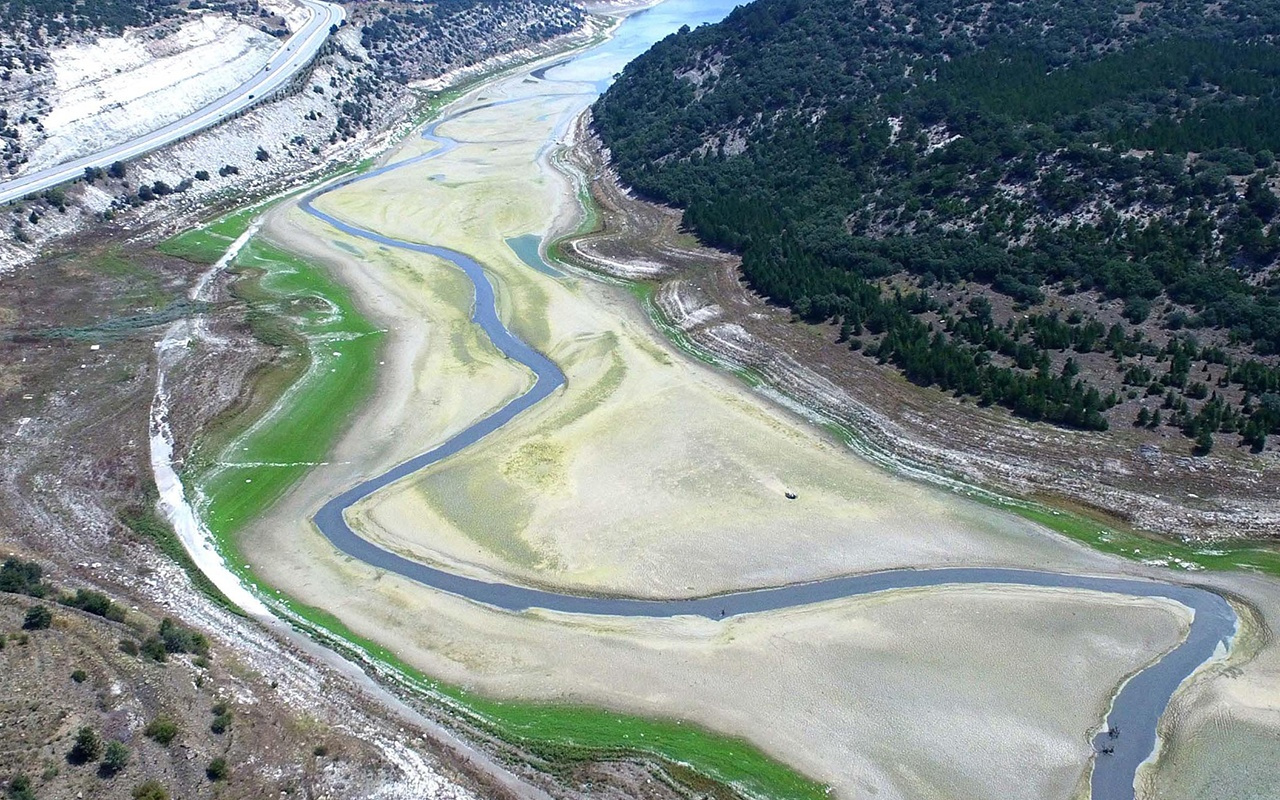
<point>116,88</point>
<point>337,113</point>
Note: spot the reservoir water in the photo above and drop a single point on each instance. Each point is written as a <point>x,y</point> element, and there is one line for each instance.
<point>1137,707</point>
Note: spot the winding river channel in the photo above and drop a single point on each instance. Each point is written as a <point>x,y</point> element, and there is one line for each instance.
<point>1137,707</point>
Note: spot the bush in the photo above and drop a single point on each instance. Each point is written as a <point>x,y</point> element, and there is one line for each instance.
<point>162,730</point>
<point>178,639</point>
<point>115,759</point>
<point>20,789</point>
<point>79,676</point>
<point>38,618</point>
<point>95,603</point>
<point>88,747</point>
<point>153,648</point>
<point>262,154</point>
<point>217,769</point>
<point>22,577</point>
<point>202,174</point>
<point>117,170</point>
<point>129,647</point>
<point>150,790</point>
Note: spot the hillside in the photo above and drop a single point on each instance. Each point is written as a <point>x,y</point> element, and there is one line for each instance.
<point>97,85</point>
<point>1064,210</point>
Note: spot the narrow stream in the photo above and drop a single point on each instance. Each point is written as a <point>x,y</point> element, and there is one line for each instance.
<point>1138,705</point>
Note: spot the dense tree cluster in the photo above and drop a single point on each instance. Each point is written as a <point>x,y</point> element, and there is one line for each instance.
<point>27,577</point>
<point>1029,148</point>
<point>54,17</point>
<point>405,38</point>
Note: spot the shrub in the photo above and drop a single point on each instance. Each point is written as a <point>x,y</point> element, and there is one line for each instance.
<point>79,676</point>
<point>88,747</point>
<point>129,647</point>
<point>220,723</point>
<point>38,618</point>
<point>262,154</point>
<point>95,603</point>
<point>178,639</point>
<point>202,174</point>
<point>117,170</point>
<point>22,577</point>
<point>217,769</point>
<point>20,789</point>
<point>150,790</point>
<point>153,648</point>
<point>162,730</point>
<point>115,759</point>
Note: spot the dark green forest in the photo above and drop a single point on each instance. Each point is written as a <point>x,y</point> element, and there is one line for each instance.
<point>1039,149</point>
<point>58,16</point>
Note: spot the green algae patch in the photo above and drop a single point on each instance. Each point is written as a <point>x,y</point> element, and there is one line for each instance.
<point>563,734</point>
<point>292,303</point>
<point>1134,545</point>
<point>1108,536</point>
<point>207,244</point>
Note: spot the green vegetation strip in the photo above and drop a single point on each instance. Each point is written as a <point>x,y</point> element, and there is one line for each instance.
<point>260,465</point>
<point>1107,537</point>
<point>563,734</point>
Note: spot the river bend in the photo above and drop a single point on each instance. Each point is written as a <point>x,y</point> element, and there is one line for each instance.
<point>1136,709</point>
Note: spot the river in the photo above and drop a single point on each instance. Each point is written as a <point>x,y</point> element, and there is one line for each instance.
<point>1129,736</point>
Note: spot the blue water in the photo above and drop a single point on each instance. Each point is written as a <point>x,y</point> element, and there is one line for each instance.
<point>528,248</point>
<point>1139,704</point>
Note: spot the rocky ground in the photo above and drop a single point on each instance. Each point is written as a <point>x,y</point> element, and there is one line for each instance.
<point>85,299</point>
<point>74,497</point>
<point>356,97</point>
<point>1156,487</point>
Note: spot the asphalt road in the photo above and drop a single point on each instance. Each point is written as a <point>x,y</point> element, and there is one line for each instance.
<point>294,54</point>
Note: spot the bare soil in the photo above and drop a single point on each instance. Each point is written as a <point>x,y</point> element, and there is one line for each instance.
<point>1140,478</point>
<point>78,376</point>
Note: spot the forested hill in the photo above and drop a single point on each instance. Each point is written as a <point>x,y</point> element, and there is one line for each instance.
<point>1102,171</point>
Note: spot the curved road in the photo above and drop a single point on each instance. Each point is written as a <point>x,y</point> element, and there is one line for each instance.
<point>294,54</point>
<point>1136,709</point>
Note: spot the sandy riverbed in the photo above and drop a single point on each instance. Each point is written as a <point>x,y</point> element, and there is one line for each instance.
<point>651,474</point>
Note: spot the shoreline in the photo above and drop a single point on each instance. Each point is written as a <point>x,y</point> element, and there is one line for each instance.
<point>331,521</point>
<point>772,373</point>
